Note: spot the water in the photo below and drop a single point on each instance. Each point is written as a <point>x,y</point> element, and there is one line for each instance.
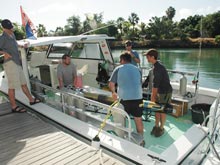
<point>188,60</point>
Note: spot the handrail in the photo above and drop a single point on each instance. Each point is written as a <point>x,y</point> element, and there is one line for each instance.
<point>172,71</point>
<point>86,100</point>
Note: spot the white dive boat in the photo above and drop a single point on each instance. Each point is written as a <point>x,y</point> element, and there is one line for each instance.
<point>82,110</point>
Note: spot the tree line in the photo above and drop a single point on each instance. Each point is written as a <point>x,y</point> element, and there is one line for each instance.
<point>158,28</point>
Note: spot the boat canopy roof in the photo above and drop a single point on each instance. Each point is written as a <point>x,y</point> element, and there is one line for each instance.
<point>59,39</point>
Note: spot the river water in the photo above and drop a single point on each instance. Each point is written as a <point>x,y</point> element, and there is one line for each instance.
<point>206,62</point>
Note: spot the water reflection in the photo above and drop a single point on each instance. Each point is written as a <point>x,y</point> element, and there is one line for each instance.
<point>189,60</point>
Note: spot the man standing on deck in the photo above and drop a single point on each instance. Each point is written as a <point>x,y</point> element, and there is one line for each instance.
<point>135,60</point>
<point>161,91</point>
<point>12,66</point>
<point>66,72</point>
<point>128,78</point>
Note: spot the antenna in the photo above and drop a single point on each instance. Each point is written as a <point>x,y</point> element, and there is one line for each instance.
<point>90,31</point>
<point>199,57</point>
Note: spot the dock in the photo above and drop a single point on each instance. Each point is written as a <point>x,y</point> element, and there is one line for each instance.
<point>26,139</point>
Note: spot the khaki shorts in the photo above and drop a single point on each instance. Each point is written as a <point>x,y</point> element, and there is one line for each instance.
<point>15,75</point>
<point>164,98</point>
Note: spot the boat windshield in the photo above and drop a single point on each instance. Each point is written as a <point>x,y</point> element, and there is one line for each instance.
<point>76,50</point>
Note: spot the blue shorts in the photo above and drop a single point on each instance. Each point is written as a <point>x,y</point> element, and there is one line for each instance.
<point>133,107</point>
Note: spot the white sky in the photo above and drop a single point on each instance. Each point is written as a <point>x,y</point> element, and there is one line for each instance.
<point>54,13</point>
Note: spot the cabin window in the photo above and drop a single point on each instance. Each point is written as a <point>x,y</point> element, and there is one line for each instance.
<point>76,50</point>
<point>58,50</point>
<point>87,50</point>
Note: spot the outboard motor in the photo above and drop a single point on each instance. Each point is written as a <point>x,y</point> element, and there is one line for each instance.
<point>183,84</point>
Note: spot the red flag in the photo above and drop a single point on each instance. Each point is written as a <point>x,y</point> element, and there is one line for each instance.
<point>28,25</point>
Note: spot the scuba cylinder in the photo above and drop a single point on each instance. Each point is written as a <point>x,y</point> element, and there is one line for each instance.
<point>183,84</point>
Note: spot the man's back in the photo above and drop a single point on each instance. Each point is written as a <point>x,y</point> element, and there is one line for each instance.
<point>129,82</point>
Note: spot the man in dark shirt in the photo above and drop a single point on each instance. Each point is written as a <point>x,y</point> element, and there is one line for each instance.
<point>161,91</point>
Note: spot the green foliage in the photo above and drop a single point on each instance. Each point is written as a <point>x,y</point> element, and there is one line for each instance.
<point>190,26</point>
<point>41,30</point>
<point>170,13</point>
<point>73,25</point>
<point>133,19</point>
<point>211,24</point>
<point>217,39</point>
<point>158,28</point>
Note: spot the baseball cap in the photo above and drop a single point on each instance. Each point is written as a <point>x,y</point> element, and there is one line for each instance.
<point>151,52</point>
<point>128,43</point>
<point>6,24</point>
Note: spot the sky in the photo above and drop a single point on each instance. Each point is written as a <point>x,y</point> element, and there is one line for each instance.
<point>54,13</point>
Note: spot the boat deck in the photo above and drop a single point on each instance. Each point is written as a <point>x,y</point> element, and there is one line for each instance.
<point>25,139</point>
<point>174,128</point>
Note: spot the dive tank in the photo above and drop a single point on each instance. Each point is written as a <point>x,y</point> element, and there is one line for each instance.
<point>183,84</point>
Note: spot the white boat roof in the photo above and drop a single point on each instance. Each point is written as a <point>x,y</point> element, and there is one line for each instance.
<point>59,39</point>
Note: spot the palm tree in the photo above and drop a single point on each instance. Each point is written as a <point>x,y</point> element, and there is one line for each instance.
<point>41,30</point>
<point>170,12</point>
<point>73,25</point>
<point>133,19</point>
<point>119,22</point>
<point>59,31</point>
<point>142,28</point>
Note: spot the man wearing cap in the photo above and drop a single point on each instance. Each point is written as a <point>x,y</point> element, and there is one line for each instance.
<point>161,91</point>
<point>12,66</point>
<point>135,60</point>
<point>129,90</point>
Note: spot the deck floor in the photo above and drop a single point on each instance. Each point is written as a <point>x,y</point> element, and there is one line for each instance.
<point>174,128</point>
<point>25,139</point>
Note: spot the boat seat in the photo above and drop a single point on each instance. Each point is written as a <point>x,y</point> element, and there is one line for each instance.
<point>45,74</point>
<point>102,76</point>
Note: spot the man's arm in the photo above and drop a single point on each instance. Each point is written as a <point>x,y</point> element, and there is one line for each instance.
<point>59,77</point>
<point>112,88</point>
<point>154,94</point>
<point>74,75</point>
<point>60,83</point>
<point>5,54</point>
<point>134,57</point>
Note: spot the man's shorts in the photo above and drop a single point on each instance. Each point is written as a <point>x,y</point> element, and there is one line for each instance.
<point>133,107</point>
<point>15,75</point>
<point>164,98</point>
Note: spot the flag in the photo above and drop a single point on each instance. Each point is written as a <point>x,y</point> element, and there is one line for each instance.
<point>28,25</point>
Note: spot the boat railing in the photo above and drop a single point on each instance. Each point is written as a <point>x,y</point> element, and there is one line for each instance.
<point>177,84</point>
<point>75,101</point>
<point>144,69</point>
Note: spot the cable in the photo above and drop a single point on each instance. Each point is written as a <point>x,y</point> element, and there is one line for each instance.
<point>102,125</point>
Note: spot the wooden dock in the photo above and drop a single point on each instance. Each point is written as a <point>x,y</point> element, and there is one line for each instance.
<point>25,139</point>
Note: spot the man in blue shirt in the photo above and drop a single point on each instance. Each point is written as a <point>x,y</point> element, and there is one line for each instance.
<point>129,89</point>
<point>135,59</point>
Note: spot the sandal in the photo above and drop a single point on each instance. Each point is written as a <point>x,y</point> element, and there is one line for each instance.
<point>35,101</point>
<point>18,110</point>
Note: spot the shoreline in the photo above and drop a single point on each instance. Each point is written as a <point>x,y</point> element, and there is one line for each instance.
<point>172,43</point>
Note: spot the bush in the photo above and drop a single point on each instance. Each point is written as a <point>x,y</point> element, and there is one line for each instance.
<point>217,39</point>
